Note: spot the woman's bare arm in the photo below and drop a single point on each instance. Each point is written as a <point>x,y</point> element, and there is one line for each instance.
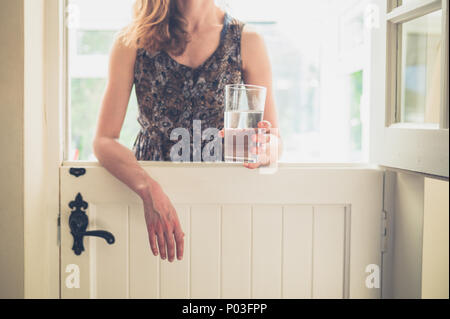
<point>115,157</point>
<point>257,70</point>
<point>162,220</point>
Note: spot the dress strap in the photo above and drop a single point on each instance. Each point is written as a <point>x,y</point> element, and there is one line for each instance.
<point>226,23</point>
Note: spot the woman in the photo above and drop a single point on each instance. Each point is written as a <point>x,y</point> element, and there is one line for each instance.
<point>179,54</point>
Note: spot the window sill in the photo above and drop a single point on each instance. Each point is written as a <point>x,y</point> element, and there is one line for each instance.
<point>231,165</point>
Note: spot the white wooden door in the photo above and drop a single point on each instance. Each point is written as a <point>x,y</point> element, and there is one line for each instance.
<point>421,147</point>
<point>300,233</point>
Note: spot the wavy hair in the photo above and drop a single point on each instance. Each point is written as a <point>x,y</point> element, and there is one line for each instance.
<point>157,25</point>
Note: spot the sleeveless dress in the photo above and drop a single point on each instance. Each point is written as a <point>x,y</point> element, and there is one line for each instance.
<point>171,95</point>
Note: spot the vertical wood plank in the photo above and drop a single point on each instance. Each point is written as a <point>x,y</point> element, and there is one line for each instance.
<point>297,251</point>
<point>266,259</point>
<point>109,263</point>
<point>174,281</point>
<point>236,251</point>
<point>144,267</point>
<point>205,251</point>
<point>328,247</point>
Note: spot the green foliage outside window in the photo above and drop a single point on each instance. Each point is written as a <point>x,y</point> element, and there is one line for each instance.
<point>86,98</point>
<point>90,42</point>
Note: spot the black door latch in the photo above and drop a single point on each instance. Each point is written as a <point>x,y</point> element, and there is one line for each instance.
<point>77,172</point>
<point>78,223</point>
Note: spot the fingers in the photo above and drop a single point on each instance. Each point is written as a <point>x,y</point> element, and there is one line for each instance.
<point>252,165</point>
<point>265,125</point>
<point>152,238</point>
<point>179,239</point>
<point>263,148</point>
<point>164,230</point>
<point>263,155</point>
<point>261,138</point>
<point>259,150</point>
<point>161,244</point>
<point>170,245</point>
<point>175,242</point>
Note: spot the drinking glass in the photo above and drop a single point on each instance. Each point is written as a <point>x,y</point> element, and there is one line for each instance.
<point>244,109</point>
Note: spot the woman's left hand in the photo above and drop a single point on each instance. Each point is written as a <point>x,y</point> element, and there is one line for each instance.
<point>264,146</point>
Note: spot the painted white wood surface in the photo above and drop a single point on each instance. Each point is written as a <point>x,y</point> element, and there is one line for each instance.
<point>414,147</point>
<point>297,251</point>
<point>300,233</point>
<point>328,251</point>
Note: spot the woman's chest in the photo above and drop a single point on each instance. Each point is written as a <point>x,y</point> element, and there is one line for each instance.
<point>200,48</point>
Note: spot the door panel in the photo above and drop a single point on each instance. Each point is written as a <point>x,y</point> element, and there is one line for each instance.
<point>297,258</point>
<point>266,252</point>
<point>248,235</point>
<point>104,264</point>
<point>329,255</point>
<point>205,251</point>
<point>236,251</point>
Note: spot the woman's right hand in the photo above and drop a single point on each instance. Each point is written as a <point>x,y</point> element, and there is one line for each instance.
<point>163,225</point>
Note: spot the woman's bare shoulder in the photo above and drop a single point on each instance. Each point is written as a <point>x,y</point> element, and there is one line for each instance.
<point>250,37</point>
<point>122,52</point>
<point>253,46</point>
<point>122,60</point>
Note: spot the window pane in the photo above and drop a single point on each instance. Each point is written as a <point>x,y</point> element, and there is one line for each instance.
<point>94,42</point>
<point>91,34</point>
<point>316,49</point>
<point>420,78</point>
<point>404,2</point>
<point>356,123</point>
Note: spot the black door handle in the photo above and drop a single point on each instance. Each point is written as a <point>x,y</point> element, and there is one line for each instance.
<point>78,223</point>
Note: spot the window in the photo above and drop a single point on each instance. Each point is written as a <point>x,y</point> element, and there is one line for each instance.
<point>411,131</point>
<point>317,49</point>
<point>419,43</point>
<point>415,63</point>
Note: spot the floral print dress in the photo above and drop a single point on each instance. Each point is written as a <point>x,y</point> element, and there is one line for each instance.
<point>171,95</point>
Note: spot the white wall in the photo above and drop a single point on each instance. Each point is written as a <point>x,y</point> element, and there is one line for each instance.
<point>407,232</point>
<point>24,254</point>
<point>435,266</point>
<point>12,150</point>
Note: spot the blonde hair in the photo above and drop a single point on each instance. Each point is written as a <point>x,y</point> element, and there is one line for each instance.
<point>157,25</point>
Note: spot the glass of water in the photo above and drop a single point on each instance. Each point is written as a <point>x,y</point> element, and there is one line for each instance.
<point>244,109</point>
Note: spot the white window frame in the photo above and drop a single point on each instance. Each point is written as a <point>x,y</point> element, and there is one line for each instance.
<point>55,104</point>
<point>419,148</point>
